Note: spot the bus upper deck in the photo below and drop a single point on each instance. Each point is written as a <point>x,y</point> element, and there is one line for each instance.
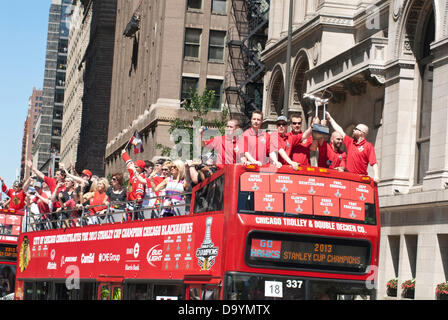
<point>244,224</point>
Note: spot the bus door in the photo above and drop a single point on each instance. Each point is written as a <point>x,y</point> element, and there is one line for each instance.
<point>204,291</point>
<point>110,291</point>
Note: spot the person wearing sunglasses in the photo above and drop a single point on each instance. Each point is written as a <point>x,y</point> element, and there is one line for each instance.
<point>283,143</point>
<point>300,152</point>
<point>360,152</point>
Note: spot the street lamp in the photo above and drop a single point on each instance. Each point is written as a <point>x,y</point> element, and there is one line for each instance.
<point>288,61</point>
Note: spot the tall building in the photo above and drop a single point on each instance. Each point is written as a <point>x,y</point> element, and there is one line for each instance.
<point>34,105</point>
<point>88,84</point>
<point>49,125</point>
<point>178,45</point>
<point>386,64</point>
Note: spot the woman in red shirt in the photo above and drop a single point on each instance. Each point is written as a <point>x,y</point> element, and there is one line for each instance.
<point>98,200</point>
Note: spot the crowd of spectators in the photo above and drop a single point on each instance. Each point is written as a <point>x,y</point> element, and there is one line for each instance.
<point>163,188</point>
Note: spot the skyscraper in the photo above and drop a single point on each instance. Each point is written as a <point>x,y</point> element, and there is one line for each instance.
<point>49,124</point>
<point>34,105</point>
<point>88,84</point>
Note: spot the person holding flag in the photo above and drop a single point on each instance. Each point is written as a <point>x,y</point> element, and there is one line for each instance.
<point>137,142</point>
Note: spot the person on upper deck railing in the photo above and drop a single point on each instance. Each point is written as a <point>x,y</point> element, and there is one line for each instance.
<point>360,152</point>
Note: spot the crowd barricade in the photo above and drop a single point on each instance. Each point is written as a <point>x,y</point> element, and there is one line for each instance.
<point>115,212</point>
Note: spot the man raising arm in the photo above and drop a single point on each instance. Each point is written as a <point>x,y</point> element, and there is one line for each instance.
<point>360,152</point>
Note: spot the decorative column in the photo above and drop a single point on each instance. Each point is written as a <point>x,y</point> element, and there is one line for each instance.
<point>299,12</point>
<point>399,121</point>
<point>437,174</point>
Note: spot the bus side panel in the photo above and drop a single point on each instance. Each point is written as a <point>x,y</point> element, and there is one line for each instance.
<point>167,248</point>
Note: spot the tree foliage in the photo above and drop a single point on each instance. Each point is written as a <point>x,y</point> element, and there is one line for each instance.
<point>199,106</point>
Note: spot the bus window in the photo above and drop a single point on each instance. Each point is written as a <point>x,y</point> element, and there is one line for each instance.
<point>169,292</point>
<point>138,291</point>
<point>117,292</point>
<point>87,291</point>
<point>7,282</point>
<point>203,292</point>
<point>43,290</point>
<point>104,291</point>
<point>210,197</point>
<point>61,292</point>
<point>28,291</point>
<point>194,293</point>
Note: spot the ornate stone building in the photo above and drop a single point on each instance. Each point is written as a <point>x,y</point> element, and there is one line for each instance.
<point>178,45</point>
<point>386,64</point>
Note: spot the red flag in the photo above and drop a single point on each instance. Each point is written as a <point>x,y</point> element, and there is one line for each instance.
<point>137,142</point>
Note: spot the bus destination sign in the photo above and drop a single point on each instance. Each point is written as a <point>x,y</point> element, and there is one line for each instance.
<point>8,252</point>
<point>330,254</point>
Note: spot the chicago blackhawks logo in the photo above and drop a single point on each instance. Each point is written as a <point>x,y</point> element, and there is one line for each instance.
<point>25,254</point>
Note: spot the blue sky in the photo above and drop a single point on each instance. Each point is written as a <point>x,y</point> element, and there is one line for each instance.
<point>23,34</point>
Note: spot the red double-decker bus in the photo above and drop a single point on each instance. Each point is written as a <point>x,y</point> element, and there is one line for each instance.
<point>10,228</point>
<point>251,233</point>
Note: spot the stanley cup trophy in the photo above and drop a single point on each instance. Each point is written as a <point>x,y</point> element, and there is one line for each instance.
<point>319,130</point>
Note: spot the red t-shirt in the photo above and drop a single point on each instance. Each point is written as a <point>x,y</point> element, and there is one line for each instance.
<point>257,144</point>
<point>359,155</point>
<point>138,188</point>
<point>330,158</point>
<point>286,142</point>
<point>301,152</point>
<point>17,201</point>
<point>52,184</point>
<point>226,148</point>
<point>97,200</point>
<point>43,207</point>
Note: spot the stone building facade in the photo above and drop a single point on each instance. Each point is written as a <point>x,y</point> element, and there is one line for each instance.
<point>179,44</point>
<point>386,64</point>
<point>88,84</point>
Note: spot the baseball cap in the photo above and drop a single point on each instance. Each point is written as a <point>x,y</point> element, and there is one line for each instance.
<point>87,173</point>
<point>140,163</point>
<point>282,119</point>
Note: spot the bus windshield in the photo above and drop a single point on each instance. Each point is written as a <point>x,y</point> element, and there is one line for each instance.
<point>306,196</point>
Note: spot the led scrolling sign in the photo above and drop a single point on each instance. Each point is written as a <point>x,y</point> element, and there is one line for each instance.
<point>308,252</point>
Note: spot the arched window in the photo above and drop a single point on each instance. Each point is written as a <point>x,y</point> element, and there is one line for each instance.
<point>425,98</point>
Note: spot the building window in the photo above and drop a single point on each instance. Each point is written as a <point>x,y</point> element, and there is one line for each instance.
<point>425,107</point>
<point>215,85</point>
<point>192,43</point>
<point>216,45</point>
<point>219,6</point>
<point>194,4</point>
<point>188,84</point>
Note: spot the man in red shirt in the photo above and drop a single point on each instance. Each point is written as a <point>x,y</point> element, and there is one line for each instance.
<point>52,183</point>
<point>360,152</point>
<point>283,143</point>
<point>300,152</point>
<point>16,194</point>
<point>224,146</point>
<point>253,146</point>
<point>138,188</point>
<point>331,154</point>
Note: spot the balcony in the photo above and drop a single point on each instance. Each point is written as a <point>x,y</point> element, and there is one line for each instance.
<point>350,70</point>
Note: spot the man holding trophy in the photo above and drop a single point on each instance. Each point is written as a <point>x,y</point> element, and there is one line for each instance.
<point>360,152</point>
